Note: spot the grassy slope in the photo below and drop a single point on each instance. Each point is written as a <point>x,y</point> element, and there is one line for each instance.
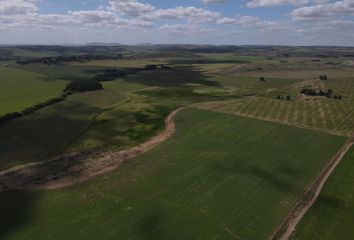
<point>114,117</point>
<point>20,89</point>
<point>332,216</point>
<point>218,177</point>
<point>49,131</point>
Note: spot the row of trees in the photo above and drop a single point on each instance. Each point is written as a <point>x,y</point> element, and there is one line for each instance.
<point>34,108</point>
<point>62,59</point>
<point>324,93</point>
<point>83,86</point>
<point>110,74</point>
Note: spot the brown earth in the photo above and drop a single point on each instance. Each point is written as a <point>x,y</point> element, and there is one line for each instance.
<point>78,167</point>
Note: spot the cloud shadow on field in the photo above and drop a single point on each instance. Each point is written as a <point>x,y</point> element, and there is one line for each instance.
<point>273,179</point>
<point>176,77</point>
<point>149,227</point>
<point>16,209</point>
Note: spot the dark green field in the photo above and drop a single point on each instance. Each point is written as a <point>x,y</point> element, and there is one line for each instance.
<point>219,177</point>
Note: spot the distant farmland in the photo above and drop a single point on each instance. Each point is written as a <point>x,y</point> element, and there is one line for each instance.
<point>248,143</point>
<point>220,176</point>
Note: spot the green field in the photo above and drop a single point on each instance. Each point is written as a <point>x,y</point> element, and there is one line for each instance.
<point>20,89</point>
<point>332,216</point>
<point>219,177</point>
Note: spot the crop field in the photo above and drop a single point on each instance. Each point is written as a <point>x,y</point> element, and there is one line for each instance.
<point>333,116</point>
<point>20,89</point>
<point>219,177</point>
<point>332,216</point>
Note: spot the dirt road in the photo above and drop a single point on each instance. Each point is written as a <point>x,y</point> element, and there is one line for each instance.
<point>284,231</point>
<point>71,169</point>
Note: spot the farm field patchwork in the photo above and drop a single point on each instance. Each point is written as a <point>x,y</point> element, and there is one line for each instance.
<point>219,177</point>
<point>247,145</point>
<point>332,215</point>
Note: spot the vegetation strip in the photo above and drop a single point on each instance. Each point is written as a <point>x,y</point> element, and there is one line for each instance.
<point>284,231</point>
<point>74,168</point>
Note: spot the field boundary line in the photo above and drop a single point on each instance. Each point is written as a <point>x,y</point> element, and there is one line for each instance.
<point>287,227</point>
<point>74,168</point>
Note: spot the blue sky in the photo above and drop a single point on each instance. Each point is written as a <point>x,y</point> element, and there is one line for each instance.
<point>280,22</point>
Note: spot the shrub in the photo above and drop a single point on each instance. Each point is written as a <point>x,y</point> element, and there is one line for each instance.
<point>83,86</point>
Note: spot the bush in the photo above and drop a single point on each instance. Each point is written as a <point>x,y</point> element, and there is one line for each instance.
<point>323,77</point>
<point>110,75</point>
<point>150,67</point>
<point>83,86</point>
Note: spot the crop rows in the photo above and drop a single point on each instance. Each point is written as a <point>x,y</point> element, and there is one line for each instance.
<point>330,115</point>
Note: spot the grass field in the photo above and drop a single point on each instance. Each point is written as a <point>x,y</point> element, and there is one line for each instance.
<point>20,89</point>
<point>127,112</point>
<point>219,177</point>
<point>332,215</point>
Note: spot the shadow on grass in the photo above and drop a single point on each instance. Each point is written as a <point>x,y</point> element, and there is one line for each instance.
<point>273,179</point>
<point>176,77</point>
<point>329,202</point>
<point>149,227</point>
<point>16,209</point>
<point>283,183</point>
<point>44,134</point>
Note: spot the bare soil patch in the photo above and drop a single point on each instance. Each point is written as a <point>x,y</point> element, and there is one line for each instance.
<point>78,167</point>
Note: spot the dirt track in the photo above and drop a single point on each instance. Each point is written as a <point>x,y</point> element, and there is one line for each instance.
<point>284,231</point>
<point>71,169</point>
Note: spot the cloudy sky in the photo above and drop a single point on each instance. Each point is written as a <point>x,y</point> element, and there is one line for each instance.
<point>283,22</point>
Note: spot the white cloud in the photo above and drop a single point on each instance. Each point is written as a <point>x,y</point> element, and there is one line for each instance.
<point>253,22</point>
<point>213,1</point>
<point>273,3</point>
<point>337,9</point>
<point>191,13</point>
<point>130,7</point>
<point>186,29</point>
<point>11,7</point>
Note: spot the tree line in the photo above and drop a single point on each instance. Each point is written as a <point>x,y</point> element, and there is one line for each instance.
<point>34,108</point>
<point>323,93</point>
<point>63,59</point>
